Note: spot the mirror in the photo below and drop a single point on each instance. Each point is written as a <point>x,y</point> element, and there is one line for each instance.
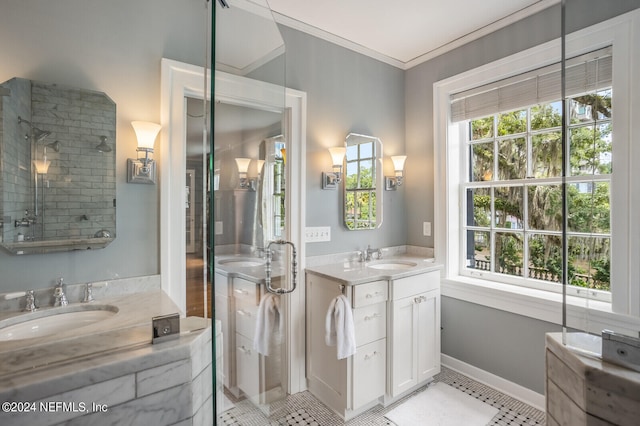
<point>57,162</point>
<point>363,182</point>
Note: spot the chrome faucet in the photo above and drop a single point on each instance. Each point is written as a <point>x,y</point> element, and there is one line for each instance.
<point>88,293</point>
<point>31,302</point>
<point>365,255</point>
<point>58,294</point>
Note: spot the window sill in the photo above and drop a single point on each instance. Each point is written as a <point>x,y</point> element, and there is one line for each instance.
<point>588,315</point>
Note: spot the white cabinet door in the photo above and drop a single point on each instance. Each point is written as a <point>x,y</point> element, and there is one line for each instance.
<point>428,335</point>
<point>404,345</point>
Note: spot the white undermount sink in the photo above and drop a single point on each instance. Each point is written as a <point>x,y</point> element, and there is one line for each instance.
<point>241,262</point>
<point>48,322</point>
<point>392,264</point>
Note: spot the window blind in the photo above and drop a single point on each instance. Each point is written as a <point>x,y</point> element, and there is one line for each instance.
<point>584,74</point>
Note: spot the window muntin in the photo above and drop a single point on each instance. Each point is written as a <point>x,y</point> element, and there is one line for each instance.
<point>513,195</point>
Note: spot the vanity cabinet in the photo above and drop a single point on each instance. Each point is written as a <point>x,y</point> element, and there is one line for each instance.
<point>225,312</point>
<point>414,338</point>
<point>352,385</point>
<point>397,332</point>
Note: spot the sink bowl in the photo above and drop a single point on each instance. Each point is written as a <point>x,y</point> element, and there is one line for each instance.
<point>45,323</point>
<point>392,264</point>
<point>241,262</point>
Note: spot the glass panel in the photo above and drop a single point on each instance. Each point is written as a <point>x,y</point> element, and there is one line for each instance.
<point>479,207</point>
<point>544,204</point>
<point>249,214</point>
<point>508,207</point>
<point>589,262</point>
<point>512,159</point>
<point>545,116</point>
<point>590,149</point>
<point>589,207</point>
<point>509,254</point>
<point>547,154</point>
<point>545,257</point>
<point>482,128</point>
<point>511,123</point>
<point>479,250</point>
<point>481,162</point>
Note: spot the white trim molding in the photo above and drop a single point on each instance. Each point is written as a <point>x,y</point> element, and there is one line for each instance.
<point>505,386</point>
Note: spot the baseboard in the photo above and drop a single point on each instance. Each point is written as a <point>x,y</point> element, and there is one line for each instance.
<point>505,386</point>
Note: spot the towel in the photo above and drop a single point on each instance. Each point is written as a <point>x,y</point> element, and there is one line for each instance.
<point>268,324</point>
<point>340,330</point>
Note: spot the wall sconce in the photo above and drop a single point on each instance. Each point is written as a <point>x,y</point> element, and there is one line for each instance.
<point>143,170</point>
<point>330,180</point>
<point>243,169</point>
<point>391,183</point>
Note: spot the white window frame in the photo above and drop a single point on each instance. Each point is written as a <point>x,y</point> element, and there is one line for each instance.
<point>623,312</point>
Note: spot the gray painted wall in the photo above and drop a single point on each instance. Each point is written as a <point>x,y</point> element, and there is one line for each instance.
<point>114,47</point>
<point>346,92</point>
<point>504,344</point>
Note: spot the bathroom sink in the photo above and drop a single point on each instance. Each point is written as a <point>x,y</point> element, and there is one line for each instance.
<point>392,264</point>
<point>241,262</point>
<point>49,322</point>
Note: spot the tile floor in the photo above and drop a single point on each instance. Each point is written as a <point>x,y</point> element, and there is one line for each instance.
<point>304,409</point>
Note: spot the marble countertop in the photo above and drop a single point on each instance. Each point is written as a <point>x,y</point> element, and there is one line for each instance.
<point>353,272</point>
<point>130,326</point>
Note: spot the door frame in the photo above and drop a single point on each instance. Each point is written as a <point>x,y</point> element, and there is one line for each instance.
<point>179,80</point>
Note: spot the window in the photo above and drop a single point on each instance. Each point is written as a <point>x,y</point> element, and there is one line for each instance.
<point>513,194</point>
<point>484,205</point>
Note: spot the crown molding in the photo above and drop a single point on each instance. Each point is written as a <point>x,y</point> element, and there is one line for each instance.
<point>474,35</point>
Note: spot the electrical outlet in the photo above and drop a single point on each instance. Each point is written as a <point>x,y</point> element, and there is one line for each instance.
<point>218,227</point>
<point>316,234</point>
<point>426,229</point>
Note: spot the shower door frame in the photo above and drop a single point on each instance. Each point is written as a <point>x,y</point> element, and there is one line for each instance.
<point>179,80</point>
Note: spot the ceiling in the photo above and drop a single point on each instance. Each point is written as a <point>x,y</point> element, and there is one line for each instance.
<point>402,33</point>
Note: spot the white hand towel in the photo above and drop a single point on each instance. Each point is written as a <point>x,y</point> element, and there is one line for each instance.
<point>340,330</point>
<point>268,324</point>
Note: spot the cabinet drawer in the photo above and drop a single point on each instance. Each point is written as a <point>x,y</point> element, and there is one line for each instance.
<point>246,291</point>
<point>246,317</point>
<point>248,366</point>
<point>370,293</point>
<point>370,323</point>
<point>221,285</point>
<point>410,286</point>
<point>369,373</point>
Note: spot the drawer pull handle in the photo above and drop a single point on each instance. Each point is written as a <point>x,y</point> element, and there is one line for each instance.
<point>244,350</point>
<point>376,294</point>
<point>242,292</point>
<point>369,356</point>
<point>243,313</point>
<point>370,317</point>
<point>420,299</point>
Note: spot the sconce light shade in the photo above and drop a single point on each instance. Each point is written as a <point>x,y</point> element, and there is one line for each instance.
<point>146,133</point>
<point>243,169</point>
<point>391,183</point>
<point>330,180</point>
<point>42,166</point>
<point>260,166</point>
<point>143,170</point>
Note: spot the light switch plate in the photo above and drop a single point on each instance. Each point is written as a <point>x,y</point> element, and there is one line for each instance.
<point>426,229</point>
<point>316,234</point>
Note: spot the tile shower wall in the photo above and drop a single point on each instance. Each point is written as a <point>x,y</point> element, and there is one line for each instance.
<point>78,189</point>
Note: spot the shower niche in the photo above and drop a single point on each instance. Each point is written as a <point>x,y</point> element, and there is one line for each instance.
<point>57,168</point>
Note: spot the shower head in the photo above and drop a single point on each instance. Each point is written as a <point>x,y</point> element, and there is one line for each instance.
<point>54,145</point>
<point>103,146</point>
<point>36,133</point>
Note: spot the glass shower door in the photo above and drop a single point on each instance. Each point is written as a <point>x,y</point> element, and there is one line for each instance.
<point>253,260</point>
